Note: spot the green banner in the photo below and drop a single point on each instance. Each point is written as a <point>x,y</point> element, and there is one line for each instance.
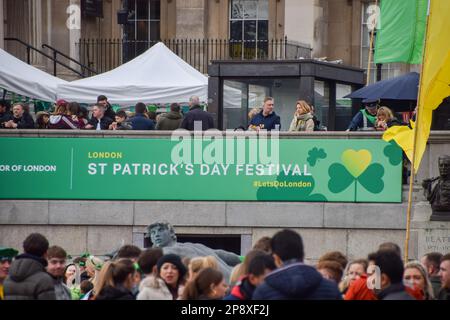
<point>402,31</point>
<point>234,169</point>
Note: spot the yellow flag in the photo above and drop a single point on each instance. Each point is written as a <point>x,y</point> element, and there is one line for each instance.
<point>434,82</point>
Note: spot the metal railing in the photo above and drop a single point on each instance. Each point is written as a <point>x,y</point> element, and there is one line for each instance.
<point>85,71</point>
<point>106,54</point>
<point>53,58</point>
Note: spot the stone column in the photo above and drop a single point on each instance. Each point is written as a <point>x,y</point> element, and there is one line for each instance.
<point>2,26</point>
<point>168,19</point>
<point>116,29</point>
<point>191,19</point>
<point>355,49</point>
<point>75,32</point>
<point>35,30</point>
<point>299,21</point>
<point>427,236</point>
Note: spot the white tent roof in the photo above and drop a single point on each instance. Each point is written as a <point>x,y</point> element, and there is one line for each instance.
<point>156,76</point>
<point>19,77</point>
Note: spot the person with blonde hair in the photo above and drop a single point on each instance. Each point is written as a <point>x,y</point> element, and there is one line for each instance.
<point>354,270</point>
<point>303,119</point>
<point>116,280</point>
<point>197,264</point>
<point>415,276</point>
<point>385,119</point>
<point>253,112</point>
<point>262,244</point>
<point>93,267</point>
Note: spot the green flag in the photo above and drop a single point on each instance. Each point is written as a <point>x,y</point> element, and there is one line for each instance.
<point>400,37</point>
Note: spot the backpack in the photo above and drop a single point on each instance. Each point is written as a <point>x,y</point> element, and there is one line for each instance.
<point>317,126</point>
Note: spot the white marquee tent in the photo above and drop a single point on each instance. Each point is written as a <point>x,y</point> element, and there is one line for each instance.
<point>18,77</point>
<point>156,76</point>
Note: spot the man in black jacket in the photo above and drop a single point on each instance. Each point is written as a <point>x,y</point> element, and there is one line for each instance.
<point>391,276</point>
<point>140,121</point>
<point>5,113</point>
<point>103,101</point>
<point>431,262</point>
<point>196,118</point>
<point>293,279</point>
<point>99,121</point>
<point>20,119</point>
<point>444,273</point>
<point>27,279</point>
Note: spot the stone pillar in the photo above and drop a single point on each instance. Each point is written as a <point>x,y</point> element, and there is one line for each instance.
<point>116,29</point>
<point>191,19</point>
<point>35,31</point>
<point>75,33</point>
<point>2,26</point>
<point>49,22</point>
<point>340,30</point>
<point>217,19</point>
<point>168,19</point>
<point>299,21</point>
<point>16,26</point>
<point>355,49</point>
<point>428,236</point>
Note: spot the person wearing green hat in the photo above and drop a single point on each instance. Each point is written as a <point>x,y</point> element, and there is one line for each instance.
<point>6,256</point>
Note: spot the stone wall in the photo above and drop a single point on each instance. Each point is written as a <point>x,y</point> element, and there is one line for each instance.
<point>102,226</point>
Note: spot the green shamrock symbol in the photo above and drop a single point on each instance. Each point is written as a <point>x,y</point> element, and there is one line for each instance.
<point>393,152</point>
<point>356,167</point>
<point>315,154</point>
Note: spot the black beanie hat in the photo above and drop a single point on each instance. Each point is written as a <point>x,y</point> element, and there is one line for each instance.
<point>173,259</point>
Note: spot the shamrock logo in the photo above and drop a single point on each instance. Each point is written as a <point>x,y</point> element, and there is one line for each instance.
<point>356,167</point>
<point>315,154</point>
<point>393,153</point>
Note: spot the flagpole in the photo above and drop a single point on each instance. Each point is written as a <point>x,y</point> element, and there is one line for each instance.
<point>416,129</point>
<point>371,47</point>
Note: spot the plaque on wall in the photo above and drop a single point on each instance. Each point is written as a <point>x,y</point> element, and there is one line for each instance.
<point>92,8</point>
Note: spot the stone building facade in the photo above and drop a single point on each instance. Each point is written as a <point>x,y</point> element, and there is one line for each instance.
<point>335,29</point>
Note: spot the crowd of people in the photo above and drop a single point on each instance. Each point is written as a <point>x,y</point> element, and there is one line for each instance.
<point>274,269</point>
<point>70,115</point>
<point>374,117</point>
